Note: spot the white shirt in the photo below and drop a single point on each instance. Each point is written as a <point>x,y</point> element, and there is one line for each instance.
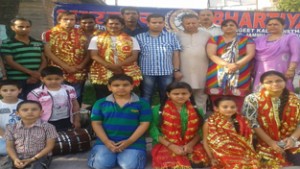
<point>60,105</point>
<point>214,29</point>
<point>8,113</point>
<point>93,43</point>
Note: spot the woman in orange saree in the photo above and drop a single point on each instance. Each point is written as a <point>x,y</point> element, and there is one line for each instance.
<point>175,131</point>
<point>274,113</point>
<point>227,138</point>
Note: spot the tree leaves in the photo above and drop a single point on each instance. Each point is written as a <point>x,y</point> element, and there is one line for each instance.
<point>289,5</point>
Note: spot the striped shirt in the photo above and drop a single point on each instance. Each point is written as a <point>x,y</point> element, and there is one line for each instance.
<point>119,123</point>
<point>156,54</point>
<point>27,55</point>
<point>30,141</point>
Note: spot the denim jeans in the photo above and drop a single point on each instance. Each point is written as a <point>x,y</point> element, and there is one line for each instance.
<point>150,82</point>
<point>3,146</point>
<point>102,158</point>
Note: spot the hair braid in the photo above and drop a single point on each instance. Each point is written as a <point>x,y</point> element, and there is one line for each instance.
<point>235,123</point>
<point>201,119</point>
<point>284,98</point>
<point>161,108</point>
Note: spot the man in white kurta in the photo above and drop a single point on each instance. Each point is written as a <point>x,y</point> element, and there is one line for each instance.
<point>206,18</point>
<point>194,61</point>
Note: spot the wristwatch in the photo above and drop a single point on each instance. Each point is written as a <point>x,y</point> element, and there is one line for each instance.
<point>176,70</point>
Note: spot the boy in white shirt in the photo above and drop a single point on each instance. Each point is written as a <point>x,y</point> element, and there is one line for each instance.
<point>9,90</point>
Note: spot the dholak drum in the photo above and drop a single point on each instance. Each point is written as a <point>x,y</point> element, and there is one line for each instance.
<point>85,119</point>
<point>72,141</point>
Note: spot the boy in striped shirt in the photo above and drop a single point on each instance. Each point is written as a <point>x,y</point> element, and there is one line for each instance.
<point>120,121</point>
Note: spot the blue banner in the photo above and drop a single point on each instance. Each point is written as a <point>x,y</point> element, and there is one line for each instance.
<point>251,23</point>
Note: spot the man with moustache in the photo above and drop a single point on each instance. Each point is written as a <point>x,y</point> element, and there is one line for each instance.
<point>67,49</point>
<point>193,58</point>
<point>206,18</point>
<point>23,56</point>
<point>131,17</point>
<point>113,52</point>
<point>88,25</point>
<point>159,57</point>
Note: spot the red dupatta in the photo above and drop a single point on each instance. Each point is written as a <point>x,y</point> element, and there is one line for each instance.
<point>232,150</point>
<point>268,118</point>
<point>171,130</point>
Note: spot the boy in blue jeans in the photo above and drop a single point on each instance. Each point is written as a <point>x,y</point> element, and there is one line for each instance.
<point>120,121</point>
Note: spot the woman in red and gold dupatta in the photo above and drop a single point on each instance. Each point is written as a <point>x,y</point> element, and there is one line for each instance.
<point>275,116</point>
<point>175,130</point>
<point>227,138</point>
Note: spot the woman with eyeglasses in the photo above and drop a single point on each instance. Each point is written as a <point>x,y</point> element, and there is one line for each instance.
<point>276,51</point>
<point>274,114</point>
<point>230,66</point>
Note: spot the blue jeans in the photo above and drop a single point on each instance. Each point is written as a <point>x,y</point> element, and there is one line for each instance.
<point>150,82</point>
<point>102,158</point>
<point>3,146</point>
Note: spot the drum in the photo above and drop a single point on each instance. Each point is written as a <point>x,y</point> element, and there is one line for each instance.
<point>85,119</point>
<point>72,141</point>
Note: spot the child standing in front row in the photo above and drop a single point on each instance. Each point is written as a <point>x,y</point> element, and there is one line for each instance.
<point>120,121</point>
<point>9,91</point>
<point>58,100</point>
<point>29,141</point>
<point>227,138</point>
<point>176,129</point>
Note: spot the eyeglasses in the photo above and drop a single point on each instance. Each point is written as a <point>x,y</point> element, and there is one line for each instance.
<point>271,82</point>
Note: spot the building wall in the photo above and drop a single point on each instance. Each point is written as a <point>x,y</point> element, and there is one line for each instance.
<point>38,11</point>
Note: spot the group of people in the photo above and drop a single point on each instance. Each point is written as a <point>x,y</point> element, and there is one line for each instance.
<point>245,130</point>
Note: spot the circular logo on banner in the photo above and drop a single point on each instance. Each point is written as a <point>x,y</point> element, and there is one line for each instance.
<point>173,19</point>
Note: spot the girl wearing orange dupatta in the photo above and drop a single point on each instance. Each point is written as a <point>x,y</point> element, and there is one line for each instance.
<point>227,138</point>
<point>175,131</point>
<point>275,116</point>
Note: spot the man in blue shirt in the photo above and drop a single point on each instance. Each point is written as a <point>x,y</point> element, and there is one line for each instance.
<point>159,57</point>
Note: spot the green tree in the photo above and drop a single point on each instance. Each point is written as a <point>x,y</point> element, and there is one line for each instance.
<point>289,5</point>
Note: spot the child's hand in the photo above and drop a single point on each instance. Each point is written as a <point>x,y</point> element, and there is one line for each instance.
<point>178,150</point>
<point>27,161</point>
<point>18,163</point>
<point>121,145</point>
<point>188,148</point>
<point>111,145</point>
